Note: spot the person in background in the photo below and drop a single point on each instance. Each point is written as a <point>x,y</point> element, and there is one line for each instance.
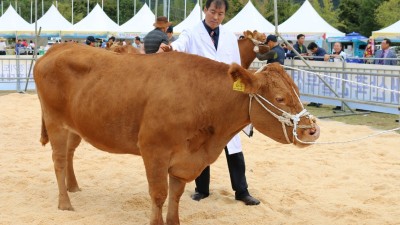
<point>153,40</point>
<point>289,54</point>
<point>317,51</point>
<point>338,55</point>
<point>210,39</point>
<point>3,46</point>
<point>276,54</point>
<point>385,52</point>
<point>299,46</point>
<point>19,48</point>
<point>369,51</point>
<point>170,34</point>
<point>138,44</point>
<point>32,44</point>
<point>90,41</point>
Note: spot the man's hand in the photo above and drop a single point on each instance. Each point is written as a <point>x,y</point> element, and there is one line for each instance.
<point>166,48</point>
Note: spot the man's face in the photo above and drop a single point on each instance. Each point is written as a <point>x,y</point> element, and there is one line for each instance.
<point>214,16</point>
<point>301,40</point>
<point>384,45</point>
<point>271,44</point>
<point>137,42</point>
<point>337,47</point>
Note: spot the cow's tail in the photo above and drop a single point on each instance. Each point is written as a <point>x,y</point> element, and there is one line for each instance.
<point>44,138</point>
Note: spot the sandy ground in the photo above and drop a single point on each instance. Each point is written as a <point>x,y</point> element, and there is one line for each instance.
<point>354,183</point>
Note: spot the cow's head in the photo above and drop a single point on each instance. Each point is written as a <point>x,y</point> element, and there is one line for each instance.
<point>275,108</point>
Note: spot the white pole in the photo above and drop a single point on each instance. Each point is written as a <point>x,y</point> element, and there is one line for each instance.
<point>118,12</point>
<point>150,4</point>
<point>72,12</point>
<point>42,8</point>
<point>134,8</point>
<point>88,7</point>
<point>201,10</point>
<point>165,8</point>
<point>185,10</point>
<point>102,4</point>
<point>155,8</point>
<point>56,4</point>
<point>16,7</point>
<point>31,9</point>
<point>1,8</point>
<point>169,8</point>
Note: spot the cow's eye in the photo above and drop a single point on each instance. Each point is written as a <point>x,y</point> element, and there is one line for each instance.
<point>279,99</point>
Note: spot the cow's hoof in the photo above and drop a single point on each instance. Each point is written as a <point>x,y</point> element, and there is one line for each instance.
<point>74,189</point>
<point>66,207</point>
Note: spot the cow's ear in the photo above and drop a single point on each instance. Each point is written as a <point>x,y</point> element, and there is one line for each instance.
<point>243,80</point>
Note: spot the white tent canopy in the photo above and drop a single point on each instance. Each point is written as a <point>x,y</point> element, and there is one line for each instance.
<point>307,21</point>
<point>52,20</point>
<point>191,20</point>
<point>96,21</point>
<point>142,22</point>
<point>392,32</point>
<point>249,19</point>
<point>11,21</point>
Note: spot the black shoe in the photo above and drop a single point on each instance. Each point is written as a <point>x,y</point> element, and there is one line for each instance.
<point>249,200</point>
<point>312,104</point>
<point>197,196</point>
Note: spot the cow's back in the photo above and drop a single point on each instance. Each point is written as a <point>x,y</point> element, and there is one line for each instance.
<point>99,94</point>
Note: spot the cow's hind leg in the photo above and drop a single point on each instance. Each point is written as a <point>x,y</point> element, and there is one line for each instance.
<point>58,139</point>
<point>176,188</point>
<point>72,144</point>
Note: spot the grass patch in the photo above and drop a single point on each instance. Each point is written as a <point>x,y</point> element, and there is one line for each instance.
<point>381,121</point>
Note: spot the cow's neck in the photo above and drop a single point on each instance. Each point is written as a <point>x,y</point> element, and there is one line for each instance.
<point>247,54</point>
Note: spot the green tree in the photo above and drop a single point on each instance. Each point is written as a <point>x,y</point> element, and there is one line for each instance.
<point>234,8</point>
<point>348,14</point>
<point>367,22</point>
<point>327,12</point>
<point>388,13</point>
<point>286,8</point>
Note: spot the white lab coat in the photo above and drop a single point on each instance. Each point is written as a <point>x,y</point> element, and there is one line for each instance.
<point>197,41</point>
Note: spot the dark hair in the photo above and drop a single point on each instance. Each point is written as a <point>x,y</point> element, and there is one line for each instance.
<point>339,44</point>
<point>218,4</point>
<point>312,45</point>
<point>170,29</point>
<point>299,36</point>
<point>137,38</point>
<point>388,41</point>
<point>112,38</point>
<point>290,42</point>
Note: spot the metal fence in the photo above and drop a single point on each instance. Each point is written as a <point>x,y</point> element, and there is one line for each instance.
<point>361,86</point>
<point>16,72</point>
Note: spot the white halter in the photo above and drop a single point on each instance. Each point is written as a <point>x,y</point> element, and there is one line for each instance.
<point>286,118</point>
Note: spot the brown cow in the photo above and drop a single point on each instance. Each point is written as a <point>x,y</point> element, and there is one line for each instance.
<point>247,47</point>
<point>176,110</point>
<point>123,49</point>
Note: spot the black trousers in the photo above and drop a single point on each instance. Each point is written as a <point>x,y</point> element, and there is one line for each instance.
<point>237,170</point>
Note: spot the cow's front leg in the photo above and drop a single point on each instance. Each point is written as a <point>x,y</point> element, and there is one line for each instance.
<point>58,139</point>
<point>157,177</point>
<point>73,142</point>
<point>176,188</point>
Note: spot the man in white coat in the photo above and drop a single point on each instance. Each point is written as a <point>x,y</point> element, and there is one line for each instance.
<point>209,39</point>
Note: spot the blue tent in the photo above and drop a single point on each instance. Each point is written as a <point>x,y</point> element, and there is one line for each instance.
<point>356,40</point>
